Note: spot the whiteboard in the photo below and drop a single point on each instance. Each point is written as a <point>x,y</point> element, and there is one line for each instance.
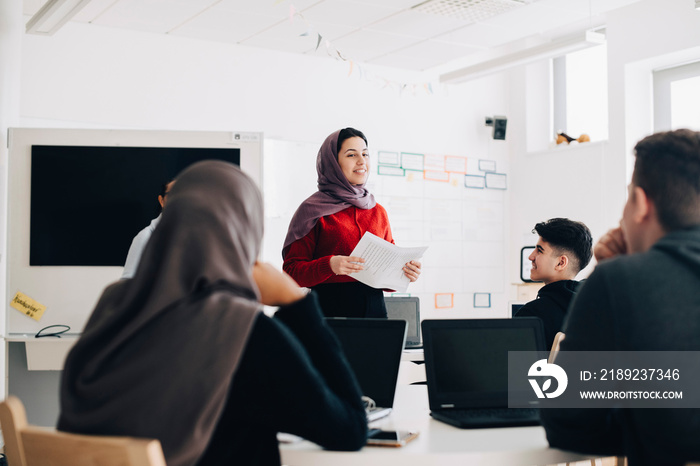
<point>70,293</point>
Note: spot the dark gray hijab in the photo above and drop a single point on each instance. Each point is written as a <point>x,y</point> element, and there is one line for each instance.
<point>158,353</point>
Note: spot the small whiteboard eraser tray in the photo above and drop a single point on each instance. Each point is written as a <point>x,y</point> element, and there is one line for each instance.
<point>47,355</point>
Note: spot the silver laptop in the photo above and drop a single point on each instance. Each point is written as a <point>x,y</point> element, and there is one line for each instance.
<point>373,349</point>
<point>408,309</point>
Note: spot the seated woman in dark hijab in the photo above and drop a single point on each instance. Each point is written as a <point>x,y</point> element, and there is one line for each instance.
<point>182,352</point>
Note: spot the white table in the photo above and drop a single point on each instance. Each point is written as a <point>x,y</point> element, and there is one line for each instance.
<point>438,443</point>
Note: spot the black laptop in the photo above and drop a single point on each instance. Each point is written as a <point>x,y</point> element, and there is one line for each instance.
<point>373,349</point>
<point>466,364</point>
<point>408,309</point>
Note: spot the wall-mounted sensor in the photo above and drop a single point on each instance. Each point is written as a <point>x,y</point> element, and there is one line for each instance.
<point>499,126</point>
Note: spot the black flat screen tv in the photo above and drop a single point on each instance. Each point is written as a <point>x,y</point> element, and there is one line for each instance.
<point>88,202</point>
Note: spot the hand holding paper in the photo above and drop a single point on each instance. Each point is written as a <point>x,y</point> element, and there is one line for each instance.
<point>384,262</point>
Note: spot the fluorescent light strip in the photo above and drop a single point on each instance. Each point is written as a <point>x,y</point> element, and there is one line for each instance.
<point>523,57</point>
<point>53,15</point>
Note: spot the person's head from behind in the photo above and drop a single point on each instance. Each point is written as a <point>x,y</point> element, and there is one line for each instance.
<point>353,155</point>
<point>664,194</point>
<point>164,190</point>
<point>563,249</point>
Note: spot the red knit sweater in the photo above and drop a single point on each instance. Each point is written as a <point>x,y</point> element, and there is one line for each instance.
<point>308,259</point>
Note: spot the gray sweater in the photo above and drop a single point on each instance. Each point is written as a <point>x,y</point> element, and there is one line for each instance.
<point>639,302</point>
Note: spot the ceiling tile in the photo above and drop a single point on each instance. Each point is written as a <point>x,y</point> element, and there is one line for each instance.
<point>265,7</point>
<point>386,32</point>
<point>332,32</point>
<point>225,26</point>
<point>538,19</point>
<point>481,35</point>
<point>417,24</point>
<point>367,43</point>
<point>585,7</point>
<point>399,4</point>
<point>347,13</point>
<point>285,36</point>
<point>151,15</point>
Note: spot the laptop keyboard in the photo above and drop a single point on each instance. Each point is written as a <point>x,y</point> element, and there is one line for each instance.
<point>501,413</point>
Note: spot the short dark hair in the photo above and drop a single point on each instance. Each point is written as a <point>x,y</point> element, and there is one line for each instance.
<point>347,133</point>
<point>568,235</point>
<point>163,193</point>
<point>667,168</point>
<point>164,187</point>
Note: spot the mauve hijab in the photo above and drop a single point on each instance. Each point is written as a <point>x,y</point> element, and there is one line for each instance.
<point>335,193</point>
<point>158,354</point>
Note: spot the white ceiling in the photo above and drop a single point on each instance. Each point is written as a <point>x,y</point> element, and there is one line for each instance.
<point>407,34</point>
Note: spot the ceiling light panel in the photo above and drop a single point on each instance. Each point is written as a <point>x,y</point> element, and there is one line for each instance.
<point>470,11</point>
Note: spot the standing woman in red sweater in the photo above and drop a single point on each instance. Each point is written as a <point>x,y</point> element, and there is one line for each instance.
<point>328,225</point>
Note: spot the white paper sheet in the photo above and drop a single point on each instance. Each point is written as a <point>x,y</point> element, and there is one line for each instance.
<point>383,266</point>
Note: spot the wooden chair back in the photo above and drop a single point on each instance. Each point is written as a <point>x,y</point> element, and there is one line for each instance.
<point>558,338</point>
<point>27,445</point>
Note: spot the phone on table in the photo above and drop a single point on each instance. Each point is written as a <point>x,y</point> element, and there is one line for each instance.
<point>390,438</point>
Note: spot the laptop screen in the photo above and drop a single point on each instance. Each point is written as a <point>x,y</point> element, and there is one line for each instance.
<point>373,349</point>
<point>514,308</point>
<point>467,360</point>
<point>408,309</point>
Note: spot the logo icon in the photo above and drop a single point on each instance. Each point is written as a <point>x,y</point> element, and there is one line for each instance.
<point>542,368</point>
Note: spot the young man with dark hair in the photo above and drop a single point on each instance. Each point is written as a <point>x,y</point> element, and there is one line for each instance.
<point>643,296</point>
<point>563,250</point>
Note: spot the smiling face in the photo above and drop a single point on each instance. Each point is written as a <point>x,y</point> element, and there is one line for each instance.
<point>544,263</point>
<point>353,158</point>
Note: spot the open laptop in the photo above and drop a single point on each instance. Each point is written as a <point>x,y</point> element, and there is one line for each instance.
<point>373,348</point>
<point>466,364</point>
<point>408,309</point>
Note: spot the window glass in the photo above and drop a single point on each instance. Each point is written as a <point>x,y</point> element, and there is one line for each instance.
<point>676,97</point>
<point>580,93</point>
<point>685,102</point>
<point>587,93</point>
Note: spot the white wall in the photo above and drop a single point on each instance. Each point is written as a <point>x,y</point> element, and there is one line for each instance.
<point>116,78</point>
<point>588,183</point>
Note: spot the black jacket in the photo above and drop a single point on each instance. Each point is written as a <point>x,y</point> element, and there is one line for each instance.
<point>293,378</point>
<point>551,305</point>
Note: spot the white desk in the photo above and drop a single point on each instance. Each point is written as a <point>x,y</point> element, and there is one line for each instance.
<point>438,444</point>
<point>412,355</point>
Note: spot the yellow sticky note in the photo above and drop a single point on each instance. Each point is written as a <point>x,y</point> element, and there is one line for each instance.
<point>28,306</point>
